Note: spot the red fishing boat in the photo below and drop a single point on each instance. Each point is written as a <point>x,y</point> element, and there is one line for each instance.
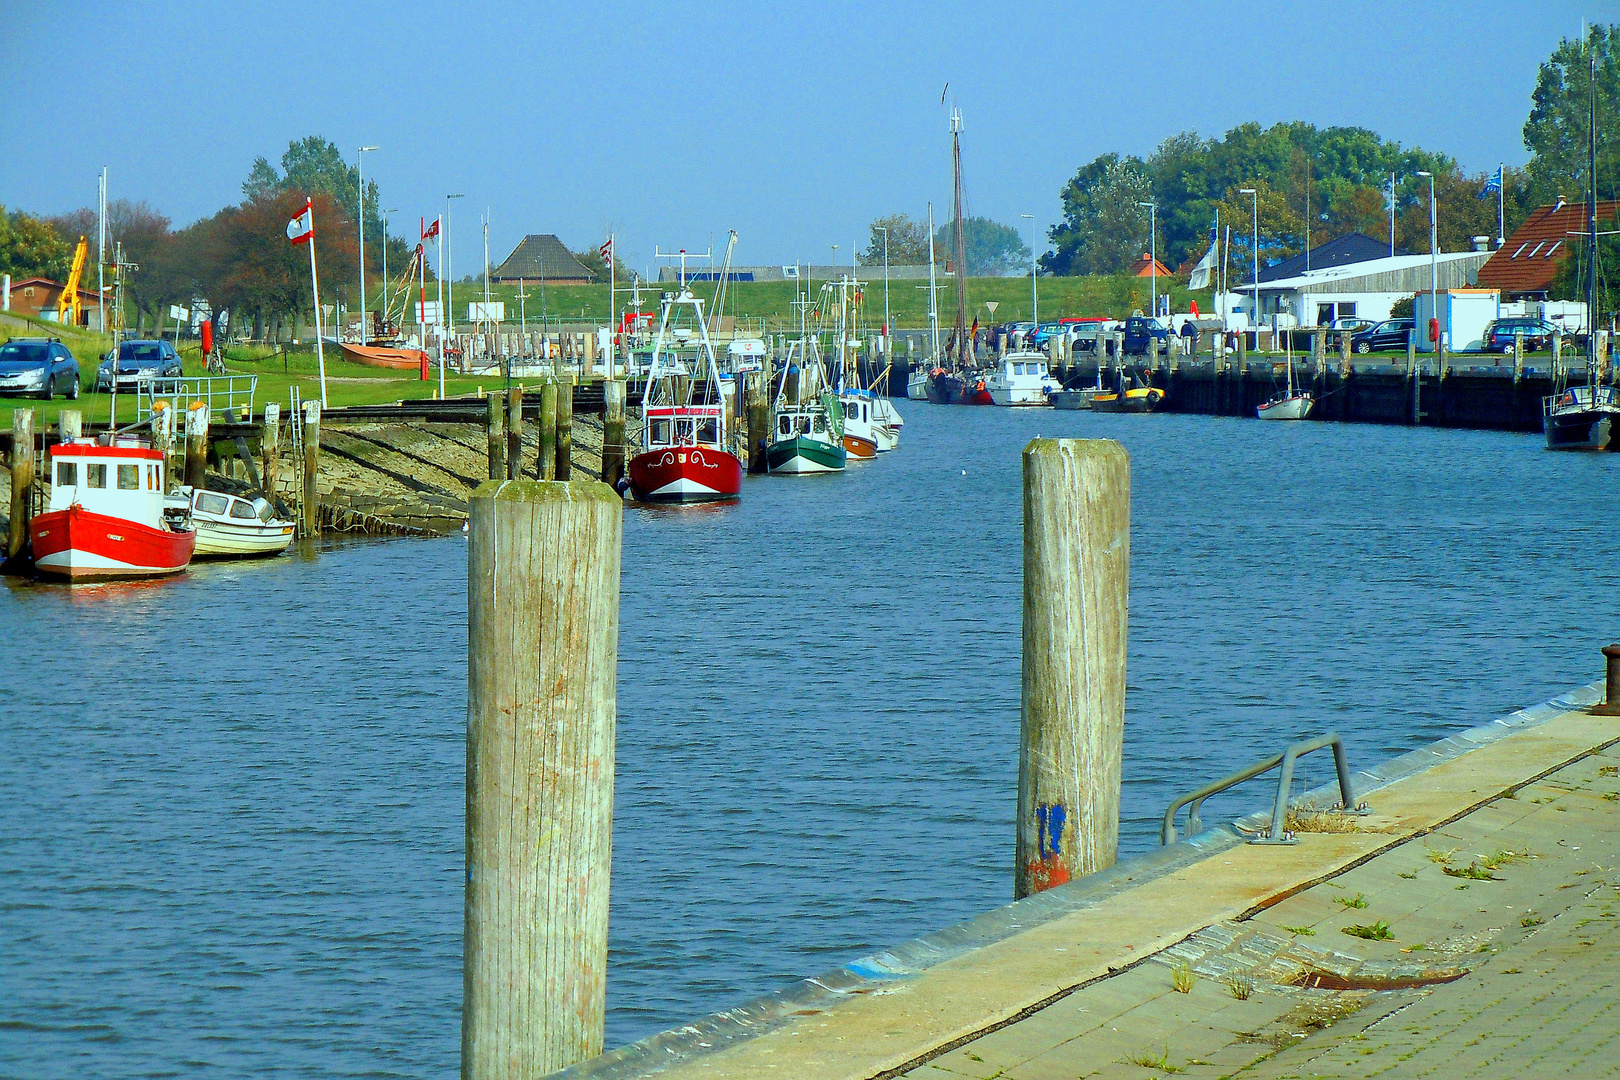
<point>686,456</point>
<point>108,517</point>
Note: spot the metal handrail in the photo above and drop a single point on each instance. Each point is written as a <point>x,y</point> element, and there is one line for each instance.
<point>1277,834</point>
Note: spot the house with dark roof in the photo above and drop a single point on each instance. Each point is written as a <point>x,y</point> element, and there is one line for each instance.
<point>1340,251</point>
<point>542,257</point>
<point>1524,267</point>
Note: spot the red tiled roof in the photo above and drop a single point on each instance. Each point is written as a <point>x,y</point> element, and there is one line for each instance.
<point>1530,258</point>
<point>1145,267</point>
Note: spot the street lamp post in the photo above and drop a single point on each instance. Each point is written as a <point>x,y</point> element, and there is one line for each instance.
<point>1034,293</point>
<point>1254,313</point>
<point>448,284</point>
<point>360,170</point>
<point>885,231</point>
<point>1434,275</point>
<point>1153,252</point>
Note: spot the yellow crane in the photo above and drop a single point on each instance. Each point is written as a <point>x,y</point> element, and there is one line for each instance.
<point>67,305</point>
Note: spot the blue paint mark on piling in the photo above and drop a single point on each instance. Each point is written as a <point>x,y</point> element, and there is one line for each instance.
<point>1049,820</point>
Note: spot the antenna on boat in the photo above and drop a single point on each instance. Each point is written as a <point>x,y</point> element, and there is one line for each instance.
<point>683,255</point>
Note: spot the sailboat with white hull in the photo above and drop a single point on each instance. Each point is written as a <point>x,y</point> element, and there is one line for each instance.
<point>1291,404</point>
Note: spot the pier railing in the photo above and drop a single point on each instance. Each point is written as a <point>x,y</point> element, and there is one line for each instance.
<point>218,392</point>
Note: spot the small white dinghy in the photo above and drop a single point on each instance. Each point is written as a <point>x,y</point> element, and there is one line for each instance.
<point>1294,406</point>
<point>232,526</point>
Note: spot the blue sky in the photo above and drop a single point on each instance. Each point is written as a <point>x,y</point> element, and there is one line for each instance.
<point>796,125</point>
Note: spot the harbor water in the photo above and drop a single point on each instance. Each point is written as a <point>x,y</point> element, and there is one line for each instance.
<point>231,804</point>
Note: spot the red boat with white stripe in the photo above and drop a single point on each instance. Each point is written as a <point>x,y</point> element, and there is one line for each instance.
<point>107,516</point>
<point>686,456</point>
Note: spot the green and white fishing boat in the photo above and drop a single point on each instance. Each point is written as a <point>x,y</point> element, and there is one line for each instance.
<point>809,435</point>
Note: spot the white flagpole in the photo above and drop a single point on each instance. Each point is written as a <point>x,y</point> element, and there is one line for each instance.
<point>315,287</point>
<point>613,305</point>
<point>439,274</point>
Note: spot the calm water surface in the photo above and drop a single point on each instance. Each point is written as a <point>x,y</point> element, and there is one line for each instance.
<point>231,805</point>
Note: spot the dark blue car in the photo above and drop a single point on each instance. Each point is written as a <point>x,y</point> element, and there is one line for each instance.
<point>139,361</point>
<point>38,366</point>
<point>1139,331</point>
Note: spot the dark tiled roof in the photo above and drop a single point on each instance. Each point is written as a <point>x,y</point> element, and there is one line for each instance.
<point>541,257</point>
<point>1350,248</point>
<point>1529,260</point>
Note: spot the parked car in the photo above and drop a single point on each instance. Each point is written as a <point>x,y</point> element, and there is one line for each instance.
<point>1140,330</point>
<point>1538,334</point>
<point>1389,334</point>
<point>139,361</point>
<point>1345,324</point>
<point>1085,335</point>
<point>38,366</point>
<point>1048,330</point>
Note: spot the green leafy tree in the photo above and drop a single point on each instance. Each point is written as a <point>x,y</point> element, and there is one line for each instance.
<point>1569,283</point>
<point>29,247</point>
<point>1104,228</point>
<point>1280,227</point>
<point>315,166</point>
<point>993,249</point>
<point>1556,131</point>
<point>907,238</point>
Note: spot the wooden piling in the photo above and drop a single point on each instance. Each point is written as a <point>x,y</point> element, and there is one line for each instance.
<point>22,480</point>
<point>311,438</point>
<point>542,648</point>
<point>69,425</point>
<point>197,444</point>
<point>613,392</point>
<point>759,421</point>
<point>548,429</point>
<point>514,433</point>
<point>565,426</point>
<point>1412,373</point>
<point>163,439</point>
<point>495,420</point>
<point>1077,543</point>
<point>270,449</point>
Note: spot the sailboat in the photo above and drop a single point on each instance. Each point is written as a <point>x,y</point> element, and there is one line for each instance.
<point>809,435</point>
<point>963,384</point>
<point>1291,404</point>
<point>685,456</point>
<point>922,374</point>
<point>1586,417</point>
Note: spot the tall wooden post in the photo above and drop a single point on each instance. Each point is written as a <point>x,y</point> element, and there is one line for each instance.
<point>542,652</point>
<point>565,424</point>
<point>312,468</point>
<point>548,428</point>
<point>759,420</point>
<point>496,421</point>
<point>270,450</point>
<point>163,439</point>
<point>1077,554</point>
<point>22,480</point>
<point>613,392</point>
<point>514,433</point>
<point>69,425</point>
<point>197,444</point>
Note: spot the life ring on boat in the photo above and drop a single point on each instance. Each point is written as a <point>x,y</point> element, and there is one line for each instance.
<point>1154,396</point>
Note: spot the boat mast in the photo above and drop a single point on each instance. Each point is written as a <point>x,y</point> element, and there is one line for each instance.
<point>1591,225</point>
<point>960,333</point>
<point>933,289</point>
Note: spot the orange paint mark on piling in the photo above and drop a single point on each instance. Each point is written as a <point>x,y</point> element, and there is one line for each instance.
<point>1046,873</point>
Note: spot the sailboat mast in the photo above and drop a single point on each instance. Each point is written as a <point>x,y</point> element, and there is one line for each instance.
<point>1591,224</point>
<point>933,289</point>
<point>961,242</point>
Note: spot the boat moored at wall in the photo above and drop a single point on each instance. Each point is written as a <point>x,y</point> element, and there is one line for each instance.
<point>108,517</point>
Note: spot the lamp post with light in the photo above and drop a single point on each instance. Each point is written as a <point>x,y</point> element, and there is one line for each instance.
<point>1434,275</point>
<point>1153,252</point>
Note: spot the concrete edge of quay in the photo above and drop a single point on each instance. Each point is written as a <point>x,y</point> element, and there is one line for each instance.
<point>873,1016</point>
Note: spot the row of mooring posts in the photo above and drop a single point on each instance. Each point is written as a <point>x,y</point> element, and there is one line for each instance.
<point>555,436</point>
<point>543,568</point>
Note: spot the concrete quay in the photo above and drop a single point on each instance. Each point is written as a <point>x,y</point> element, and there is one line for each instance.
<point>1464,927</point>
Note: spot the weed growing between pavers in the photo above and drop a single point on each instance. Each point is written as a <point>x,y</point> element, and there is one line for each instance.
<point>1473,871</point>
<point>1356,901</point>
<point>1148,1061</point>
<point>1319,821</point>
<point>1302,1020</point>
<point>1408,877</point>
<point>1531,919</point>
<point>1302,931</point>
<point>1440,856</point>
<point>1378,931</point>
<point>1240,987</point>
<point>1182,978</point>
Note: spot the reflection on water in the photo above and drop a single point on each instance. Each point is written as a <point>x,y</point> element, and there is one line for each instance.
<point>232,838</point>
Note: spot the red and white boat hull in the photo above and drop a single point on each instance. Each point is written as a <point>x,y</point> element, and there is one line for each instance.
<point>685,474</point>
<point>77,544</point>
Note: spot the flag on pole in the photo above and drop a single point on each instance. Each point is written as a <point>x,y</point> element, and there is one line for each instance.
<point>301,229</point>
<point>431,231</point>
<point>1493,184</point>
<point>1206,266</point>
<point>606,251</point>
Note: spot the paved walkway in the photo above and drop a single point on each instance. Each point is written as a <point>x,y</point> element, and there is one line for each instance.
<point>1502,928</point>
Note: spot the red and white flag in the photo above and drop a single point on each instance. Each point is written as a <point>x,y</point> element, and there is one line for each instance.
<point>431,231</point>
<point>606,250</point>
<point>301,229</point>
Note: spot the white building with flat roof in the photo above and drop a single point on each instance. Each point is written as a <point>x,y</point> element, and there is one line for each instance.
<point>1362,290</point>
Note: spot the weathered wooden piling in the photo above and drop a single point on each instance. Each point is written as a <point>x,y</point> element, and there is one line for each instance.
<point>548,429</point>
<point>197,444</point>
<point>163,439</point>
<point>312,468</point>
<point>1077,544</point>
<point>759,420</point>
<point>514,433</point>
<point>613,393</point>
<point>270,448</point>
<point>496,421</point>
<point>69,425</point>
<point>565,425</point>
<point>22,480</point>
<point>542,649</point>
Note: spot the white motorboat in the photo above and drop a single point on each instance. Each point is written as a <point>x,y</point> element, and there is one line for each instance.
<point>233,526</point>
<point>1021,379</point>
<point>869,417</point>
<point>917,383</point>
<point>1294,406</point>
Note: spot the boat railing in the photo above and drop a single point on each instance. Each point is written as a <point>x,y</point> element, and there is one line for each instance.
<point>218,392</point>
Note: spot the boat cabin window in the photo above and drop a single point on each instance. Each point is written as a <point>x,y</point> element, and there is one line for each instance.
<point>240,509</point>
<point>211,504</point>
<point>660,433</point>
<point>67,473</point>
<point>95,476</point>
<point>129,478</point>
<point>152,478</point>
<point>820,423</point>
<point>683,432</point>
<point>709,431</point>
<point>785,424</point>
<point>263,509</point>
<point>1018,369</point>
